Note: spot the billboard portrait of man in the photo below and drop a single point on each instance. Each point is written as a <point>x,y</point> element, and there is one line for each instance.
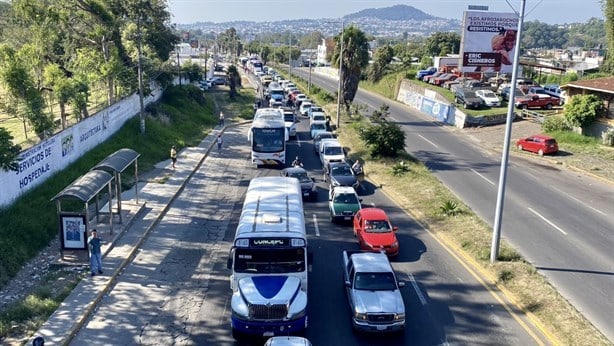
<point>488,41</point>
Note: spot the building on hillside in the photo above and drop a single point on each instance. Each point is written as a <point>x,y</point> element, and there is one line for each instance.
<point>604,89</point>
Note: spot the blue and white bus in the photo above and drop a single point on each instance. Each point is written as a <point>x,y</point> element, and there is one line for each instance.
<point>268,136</point>
<point>269,261</point>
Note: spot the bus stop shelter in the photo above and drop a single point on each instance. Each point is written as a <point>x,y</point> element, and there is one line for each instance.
<point>116,164</point>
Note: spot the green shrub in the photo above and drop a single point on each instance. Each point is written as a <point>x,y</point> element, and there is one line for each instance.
<point>449,208</point>
<point>554,123</point>
<point>400,168</point>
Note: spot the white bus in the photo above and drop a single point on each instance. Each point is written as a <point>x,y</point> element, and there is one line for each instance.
<point>268,136</point>
<point>269,260</point>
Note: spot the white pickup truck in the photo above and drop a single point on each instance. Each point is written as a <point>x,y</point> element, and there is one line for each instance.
<point>373,292</point>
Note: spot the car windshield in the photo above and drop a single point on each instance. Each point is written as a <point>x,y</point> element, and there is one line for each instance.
<point>377,226</point>
<point>489,94</point>
<point>316,109</point>
<point>375,282</point>
<point>333,151</point>
<point>341,170</point>
<point>301,176</point>
<point>318,127</point>
<point>346,198</point>
<point>323,136</point>
<point>319,118</point>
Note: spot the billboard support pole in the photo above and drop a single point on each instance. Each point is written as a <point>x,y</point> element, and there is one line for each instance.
<point>496,233</point>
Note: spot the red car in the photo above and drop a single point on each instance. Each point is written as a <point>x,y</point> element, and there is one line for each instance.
<point>374,231</point>
<point>540,144</point>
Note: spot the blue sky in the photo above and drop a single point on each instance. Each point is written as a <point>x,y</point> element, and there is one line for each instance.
<point>548,11</point>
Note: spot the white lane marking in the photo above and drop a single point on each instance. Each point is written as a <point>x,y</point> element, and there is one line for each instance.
<point>483,177</point>
<point>433,144</point>
<point>417,289</point>
<point>548,221</point>
<point>315,223</point>
<point>580,202</point>
<point>298,141</point>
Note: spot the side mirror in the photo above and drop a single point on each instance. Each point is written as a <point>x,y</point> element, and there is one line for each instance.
<point>348,284</point>
<point>401,283</point>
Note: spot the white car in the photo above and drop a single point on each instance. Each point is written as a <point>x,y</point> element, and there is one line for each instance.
<point>489,98</point>
<point>304,108</point>
<point>317,119</point>
<point>331,151</point>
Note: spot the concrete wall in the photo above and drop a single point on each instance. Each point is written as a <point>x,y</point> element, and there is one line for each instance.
<point>42,161</point>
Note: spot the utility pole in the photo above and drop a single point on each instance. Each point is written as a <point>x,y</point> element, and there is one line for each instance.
<point>340,76</point>
<point>178,65</point>
<point>290,54</point>
<point>496,236</point>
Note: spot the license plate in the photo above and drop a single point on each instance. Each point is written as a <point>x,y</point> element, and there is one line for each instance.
<point>347,218</point>
<point>305,193</point>
<point>381,327</point>
<point>268,334</point>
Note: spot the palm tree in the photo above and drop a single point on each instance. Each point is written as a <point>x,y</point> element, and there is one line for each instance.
<point>355,60</point>
<point>234,80</point>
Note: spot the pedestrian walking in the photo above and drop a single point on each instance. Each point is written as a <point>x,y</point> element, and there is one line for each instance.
<point>95,254</point>
<point>219,141</point>
<point>221,118</point>
<point>174,155</point>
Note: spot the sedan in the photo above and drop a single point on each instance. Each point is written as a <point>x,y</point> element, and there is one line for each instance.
<point>308,185</point>
<point>340,174</point>
<point>316,128</point>
<point>540,144</point>
<point>489,98</point>
<point>374,231</point>
<point>218,81</point>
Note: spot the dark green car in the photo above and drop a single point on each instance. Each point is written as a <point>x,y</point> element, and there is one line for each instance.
<point>343,204</point>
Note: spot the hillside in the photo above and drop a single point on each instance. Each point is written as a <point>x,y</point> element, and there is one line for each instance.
<point>397,12</point>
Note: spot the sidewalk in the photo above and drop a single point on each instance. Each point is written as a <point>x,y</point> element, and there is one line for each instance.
<point>121,246</point>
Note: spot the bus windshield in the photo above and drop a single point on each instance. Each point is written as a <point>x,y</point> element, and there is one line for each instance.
<point>268,140</point>
<point>266,261</point>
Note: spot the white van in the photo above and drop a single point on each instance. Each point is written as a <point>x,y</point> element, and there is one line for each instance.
<point>331,151</point>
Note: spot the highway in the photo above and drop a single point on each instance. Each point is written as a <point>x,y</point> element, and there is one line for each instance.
<point>176,291</point>
<point>560,221</point>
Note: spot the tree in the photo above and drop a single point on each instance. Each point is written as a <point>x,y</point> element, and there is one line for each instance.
<point>383,138</point>
<point>354,60</point>
<point>608,11</point>
<point>234,80</point>
<point>9,152</point>
<point>582,110</point>
<point>442,43</point>
<point>382,57</point>
<point>193,71</point>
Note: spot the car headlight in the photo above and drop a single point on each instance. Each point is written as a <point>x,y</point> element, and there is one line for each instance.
<point>399,317</point>
<point>360,316</point>
<point>395,244</point>
<point>368,245</point>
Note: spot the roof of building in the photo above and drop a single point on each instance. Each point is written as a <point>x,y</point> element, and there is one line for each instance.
<point>605,84</point>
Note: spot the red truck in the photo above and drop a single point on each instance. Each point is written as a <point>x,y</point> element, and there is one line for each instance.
<point>536,101</point>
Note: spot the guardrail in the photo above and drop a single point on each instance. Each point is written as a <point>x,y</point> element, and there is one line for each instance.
<point>537,117</point>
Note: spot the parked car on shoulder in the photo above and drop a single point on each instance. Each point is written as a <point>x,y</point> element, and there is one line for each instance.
<point>374,232</point>
<point>467,98</point>
<point>217,80</point>
<point>489,98</point>
<point>540,144</point>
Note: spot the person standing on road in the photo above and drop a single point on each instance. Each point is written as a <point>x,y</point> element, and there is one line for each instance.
<point>219,141</point>
<point>221,118</point>
<point>95,254</point>
<point>174,155</point>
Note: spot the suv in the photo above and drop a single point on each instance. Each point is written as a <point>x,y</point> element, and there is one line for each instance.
<point>467,98</point>
<point>343,203</point>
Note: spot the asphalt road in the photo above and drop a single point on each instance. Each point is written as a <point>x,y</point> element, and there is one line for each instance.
<point>176,291</point>
<point>561,221</point>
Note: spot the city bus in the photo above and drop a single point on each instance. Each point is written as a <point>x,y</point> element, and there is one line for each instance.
<point>269,261</point>
<point>268,136</point>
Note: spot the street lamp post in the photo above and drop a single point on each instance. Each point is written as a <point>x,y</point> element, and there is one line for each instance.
<point>340,76</point>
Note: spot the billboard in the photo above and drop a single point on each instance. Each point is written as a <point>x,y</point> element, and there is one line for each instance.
<point>488,41</point>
